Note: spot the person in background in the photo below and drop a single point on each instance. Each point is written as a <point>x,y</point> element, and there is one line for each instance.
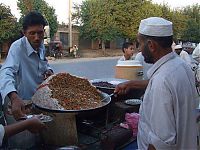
<point>128,51</point>
<point>196,53</point>
<point>34,125</point>
<point>167,114</point>
<point>58,49</point>
<point>189,49</point>
<point>139,84</point>
<point>75,51</point>
<point>184,55</point>
<point>23,70</point>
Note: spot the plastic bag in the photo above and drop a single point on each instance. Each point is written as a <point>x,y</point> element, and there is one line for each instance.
<point>131,121</point>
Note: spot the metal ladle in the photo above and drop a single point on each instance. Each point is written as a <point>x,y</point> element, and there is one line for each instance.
<point>104,99</point>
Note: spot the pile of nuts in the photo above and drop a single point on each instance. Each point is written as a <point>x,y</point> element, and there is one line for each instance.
<point>74,93</point>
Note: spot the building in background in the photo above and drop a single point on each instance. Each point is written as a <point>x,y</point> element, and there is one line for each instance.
<point>62,35</point>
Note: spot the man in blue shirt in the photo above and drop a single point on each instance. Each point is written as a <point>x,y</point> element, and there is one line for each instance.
<point>25,66</point>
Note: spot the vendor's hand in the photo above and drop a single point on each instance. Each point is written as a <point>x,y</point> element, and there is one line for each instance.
<point>47,74</point>
<point>122,88</point>
<point>17,106</point>
<point>35,125</point>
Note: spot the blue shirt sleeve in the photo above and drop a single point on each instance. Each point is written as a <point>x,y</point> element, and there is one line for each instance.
<point>8,73</point>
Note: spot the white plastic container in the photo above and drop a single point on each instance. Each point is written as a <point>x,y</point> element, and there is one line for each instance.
<point>129,69</point>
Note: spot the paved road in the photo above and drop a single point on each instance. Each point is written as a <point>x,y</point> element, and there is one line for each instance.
<point>91,68</point>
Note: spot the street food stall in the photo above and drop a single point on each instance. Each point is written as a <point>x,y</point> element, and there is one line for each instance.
<point>83,112</point>
<point>63,96</point>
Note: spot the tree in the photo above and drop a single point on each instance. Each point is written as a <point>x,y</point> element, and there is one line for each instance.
<point>98,23</point>
<point>76,17</point>
<point>179,21</point>
<point>147,9</point>
<point>177,18</point>
<point>9,28</point>
<point>106,19</point>
<point>192,32</point>
<point>41,6</point>
<point>124,13</point>
<point>115,18</point>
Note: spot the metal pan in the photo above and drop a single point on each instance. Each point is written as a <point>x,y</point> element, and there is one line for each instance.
<point>104,103</point>
<point>132,94</point>
<point>108,90</point>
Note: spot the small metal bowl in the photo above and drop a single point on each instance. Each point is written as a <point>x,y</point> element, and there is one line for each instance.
<point>46,118</point>
<point>133,101</point>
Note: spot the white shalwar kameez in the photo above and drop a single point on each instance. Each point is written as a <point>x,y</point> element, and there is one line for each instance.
<point>168,109</point>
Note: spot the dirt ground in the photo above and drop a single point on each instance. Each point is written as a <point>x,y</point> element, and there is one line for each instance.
<point>100,53</point>
<point>89,54</point>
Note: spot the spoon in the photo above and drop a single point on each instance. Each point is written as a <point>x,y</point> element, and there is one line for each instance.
<point>105,98</point>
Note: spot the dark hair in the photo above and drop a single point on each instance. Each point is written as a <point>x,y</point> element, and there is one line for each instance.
<point>126,45</point>
<point>33,18</point>
<point>164,42</point>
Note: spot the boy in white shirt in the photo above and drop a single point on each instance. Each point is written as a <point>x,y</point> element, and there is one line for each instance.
<point>128,50</point>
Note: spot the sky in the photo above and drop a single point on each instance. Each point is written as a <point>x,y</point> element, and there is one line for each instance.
<point>61,6</point>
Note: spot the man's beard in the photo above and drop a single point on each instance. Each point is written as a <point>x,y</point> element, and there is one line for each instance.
<point>148,58</point>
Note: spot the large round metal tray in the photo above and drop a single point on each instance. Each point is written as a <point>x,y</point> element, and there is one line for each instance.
<point>104,103</point>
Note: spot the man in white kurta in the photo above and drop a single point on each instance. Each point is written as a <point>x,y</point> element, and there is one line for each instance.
<point>183,54</point>
<point>196,53</point>
<point>167,112</point>
<point>168,118</point>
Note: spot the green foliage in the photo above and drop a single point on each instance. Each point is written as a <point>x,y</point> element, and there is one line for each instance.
<point>126,18</point>
<point>76,14</point>
<point>179,24</point>
<point>106,19</point>
<point>41,6</point>
<point>115,18</point>
<point>192,32</point>
<point>9,28</point>
<point>176,17</point>
<point>147,9</point>
<point>98,23</point>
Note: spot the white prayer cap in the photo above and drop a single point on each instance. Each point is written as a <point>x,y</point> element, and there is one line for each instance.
<point>156,26</point>
<point>178,47</point>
